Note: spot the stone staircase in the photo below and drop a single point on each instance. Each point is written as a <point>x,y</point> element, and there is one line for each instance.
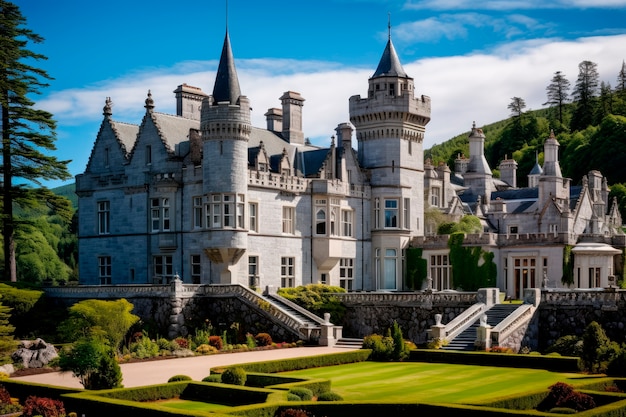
<point>465,340</point>
<point>351,343</point>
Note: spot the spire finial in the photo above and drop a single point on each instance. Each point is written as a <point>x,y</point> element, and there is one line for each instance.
<point>107,107</point>
<point>389,25</point>
<point>226,1</point>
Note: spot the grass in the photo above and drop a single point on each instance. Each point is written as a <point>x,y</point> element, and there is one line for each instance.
<point>430,382</point>
<point>179,404</point>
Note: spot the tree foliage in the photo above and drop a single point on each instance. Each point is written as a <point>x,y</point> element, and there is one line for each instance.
<point>92,362</point>
<point>28,133</point>
<point>558,94</point>
<point>472,267</point>
<point>585,93</point>
<point>318,299</point>
<point>597,350</point>
<point>416,268</point>
<point>109,320</point>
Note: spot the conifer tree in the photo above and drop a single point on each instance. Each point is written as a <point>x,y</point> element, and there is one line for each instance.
<point>558,93</point>
<point>585,93</point>
<point>620,88</point>
<point>28,134</point>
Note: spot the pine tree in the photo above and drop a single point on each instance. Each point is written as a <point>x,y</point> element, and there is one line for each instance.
<point>558,93</point>
<point>620,88</point>
<point>27,133</point>
<point>585,94</point>
<point>7,343</point>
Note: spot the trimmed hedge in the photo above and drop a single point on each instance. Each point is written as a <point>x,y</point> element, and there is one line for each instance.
<point>305,362</point>
<point>549,363</point>
<point>21,389</point>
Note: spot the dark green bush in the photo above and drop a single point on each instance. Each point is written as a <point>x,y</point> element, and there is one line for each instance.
<point>382,347</point>
<point>318,299</point>
<point>598,350</point>
<point>562,410</point>
<point>569,345</point>
<point>177,378</point>
<point>329,396</point>
<point>305,394</point>
<point>234,376</point>
<point>617,366</point>
<point>212,378</point>
<point>295,412</point>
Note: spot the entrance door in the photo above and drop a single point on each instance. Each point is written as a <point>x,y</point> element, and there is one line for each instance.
<point>524,274</point>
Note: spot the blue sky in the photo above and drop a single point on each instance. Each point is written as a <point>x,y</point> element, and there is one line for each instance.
<point>470,57</point>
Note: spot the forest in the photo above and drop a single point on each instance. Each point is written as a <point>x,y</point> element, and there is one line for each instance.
<point>589,122</point>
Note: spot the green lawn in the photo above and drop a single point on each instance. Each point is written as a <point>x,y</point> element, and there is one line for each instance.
<point>434,382</point>
<point>191,405</point>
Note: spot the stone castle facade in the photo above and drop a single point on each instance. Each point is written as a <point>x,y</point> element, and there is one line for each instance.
<point>206,196</point>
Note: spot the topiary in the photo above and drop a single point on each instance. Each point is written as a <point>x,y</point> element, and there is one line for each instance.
<point>292,397</point>
<point>329,396</point>
<point>305,394</point>
<point>234,376</point>
<point>177,378</point>
<point>212,378</point>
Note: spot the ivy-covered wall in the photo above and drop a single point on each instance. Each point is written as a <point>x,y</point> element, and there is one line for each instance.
<point>472,267</point>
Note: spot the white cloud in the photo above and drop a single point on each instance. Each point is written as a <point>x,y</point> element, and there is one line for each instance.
<point>463,89</point>
<point>511,4</point>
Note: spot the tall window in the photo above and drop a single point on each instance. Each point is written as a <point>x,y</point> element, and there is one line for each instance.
<point>163,269</point>
<point>160,214</point>
<point>287,271</point>
<point>104,270</point>
<point>334,216</point>
<point>106,157</point>
<point>406,220</point>
<point>225,211</point>
<point>376,213</point>
<point>198,215</point>
<point>346,273</point>
<point>253,215</point>
<point>435,193</point>
<point>104,217</point>
<point>440,272</point>
<point>524,275</point>
<point>148,155</point>
<point>196,269</point>
<point>320,217</point>
<point>253,272</point>
<point>391,213</point>
<point>289,217</point>
<point>389,270</point>
<point>346,223</point>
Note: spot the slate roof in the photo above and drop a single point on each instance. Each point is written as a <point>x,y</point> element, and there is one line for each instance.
<point>226,86</point>
<point>174,129</point>
<point>389,65</point>
<point>126,134</point>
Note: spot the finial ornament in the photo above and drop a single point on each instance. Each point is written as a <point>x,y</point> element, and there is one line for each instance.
<point>108,104</point>
<point>389,25</point>
<point>149,101</point>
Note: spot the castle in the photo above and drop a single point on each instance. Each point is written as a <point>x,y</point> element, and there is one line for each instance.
<point>205,196</point>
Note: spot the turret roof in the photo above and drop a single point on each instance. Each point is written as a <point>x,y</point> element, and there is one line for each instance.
<point>389,65</point>
<point>226,86</point>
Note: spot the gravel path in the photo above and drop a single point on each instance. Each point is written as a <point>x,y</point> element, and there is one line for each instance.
<point>197,367</point>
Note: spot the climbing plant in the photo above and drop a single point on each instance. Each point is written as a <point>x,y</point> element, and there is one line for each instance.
<point>416,269</point>
<point>472,267</point>
<point>568,266</point>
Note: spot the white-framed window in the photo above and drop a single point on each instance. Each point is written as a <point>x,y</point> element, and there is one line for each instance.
<point>346,273</point>
<point>441,272</point>
<point>198,213</point>
<point>320,213</point>
<point>391,213</point>
<point>553,228</point>
<point>289,217</point>
<point>346,222</point>
<point>435,195</point>
<point>163,269</point>
<point>160,214</point>
<point>104,270</point>
<point>195,261</point>
<point>334,216</point>
<point>253,271</point>
<point>390,268</point>
<point>225,211</point>
<point>104,217</point>
<point>287,271</point>
<point>253,217</point>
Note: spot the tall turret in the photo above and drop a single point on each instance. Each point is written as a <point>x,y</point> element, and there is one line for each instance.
<point>478,175</point>
<point>552,185</point>
<point>390,125</point>
<point>225,126</point>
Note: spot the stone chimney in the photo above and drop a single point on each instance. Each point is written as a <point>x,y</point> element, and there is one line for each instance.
<point>292,117</point>
<point>274,119</point>
<point>189,101</point>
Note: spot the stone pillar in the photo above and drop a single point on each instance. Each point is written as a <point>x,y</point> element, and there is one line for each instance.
<point>177,319</point>
<point>483,334</point>
<point>327,337</point>
<point>489,296</point>
<point>532,296</point>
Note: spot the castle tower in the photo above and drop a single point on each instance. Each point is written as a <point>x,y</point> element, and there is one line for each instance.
<point>535,174</point>
<point>508,171</point>
<point>478,176</point>
<point>390,125</point>
<point>552,185</point>
<point>189,101</point>
<point>225,126</point>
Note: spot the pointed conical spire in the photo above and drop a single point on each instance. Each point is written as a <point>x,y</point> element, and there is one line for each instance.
<point>226,82</point>
<point>389,64</point>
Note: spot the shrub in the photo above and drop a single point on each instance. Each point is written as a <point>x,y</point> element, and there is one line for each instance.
<point>201,337</point>
<point>263,339</point>
<point>329,396</point>
<point>182,343</point>
<point>108,375</point>
<point>562,395</point>
<point>617,366</point>
<point>250,341</point>
<point>45,407</point>
<point>234,376</point>
<point>304,394</point>
<point>177,378</point>
<point>295,412</point>
<point>206,349</point>
<point>400,350</point>
<point>318,299</point>
<point>164,344</point>
<point>292,397</point>
<point>216,342</point>
<point>569,345</point>
<point>6,403</point>
<point>381,347</point>
<point>212,378</point>
<point>598,349</point>
<point>562,410</point>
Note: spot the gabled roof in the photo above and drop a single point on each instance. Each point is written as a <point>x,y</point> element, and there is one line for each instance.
<point>173,129</point>
<point>389,65</point>
<point>311,162</point>
<point>126,134</point>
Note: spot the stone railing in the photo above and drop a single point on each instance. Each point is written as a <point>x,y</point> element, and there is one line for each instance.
<point>520,317</point>
<point>403,298</point>
<point>458,324</point>
<point>108,291</point>
<point>276,181</point>
<point>609,299</point>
